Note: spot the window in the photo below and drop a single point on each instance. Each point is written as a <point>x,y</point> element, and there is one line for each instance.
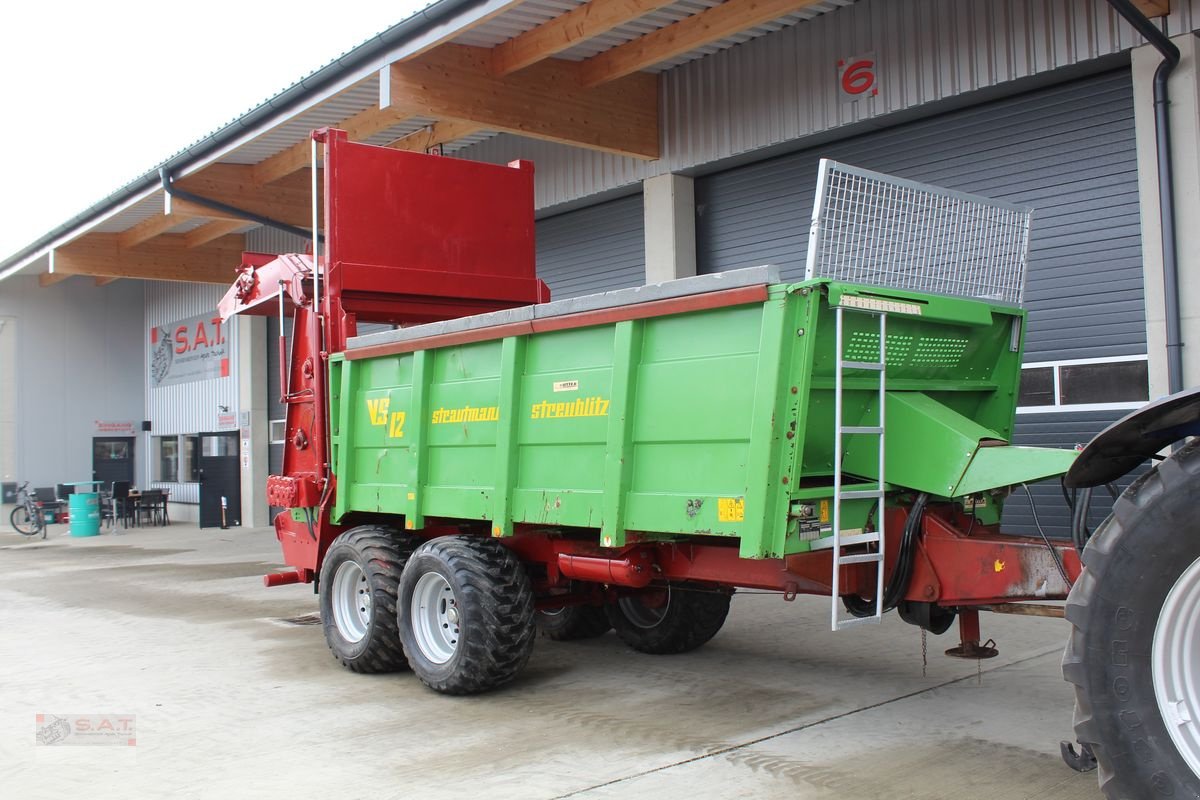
<point>278,431</point>
<point>1083,384</point>
<point>175,459</point>
<point>166,459</point>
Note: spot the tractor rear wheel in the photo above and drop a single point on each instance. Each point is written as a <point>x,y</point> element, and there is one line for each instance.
<point>670,620</point>
<point>358,597</point>
<point>465,614</point>
<point>1134,650</point>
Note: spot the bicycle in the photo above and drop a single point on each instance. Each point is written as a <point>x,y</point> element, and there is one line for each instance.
<point>28,518</point>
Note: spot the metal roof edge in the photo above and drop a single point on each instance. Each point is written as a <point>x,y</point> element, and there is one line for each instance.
<point>289,99</point>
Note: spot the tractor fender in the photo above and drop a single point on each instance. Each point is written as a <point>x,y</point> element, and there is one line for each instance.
<point>1129,441</point>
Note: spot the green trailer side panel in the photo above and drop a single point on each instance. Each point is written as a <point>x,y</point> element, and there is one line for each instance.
<point>710,422</point>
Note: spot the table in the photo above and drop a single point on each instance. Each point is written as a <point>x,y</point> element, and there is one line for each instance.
<point>158,503</point>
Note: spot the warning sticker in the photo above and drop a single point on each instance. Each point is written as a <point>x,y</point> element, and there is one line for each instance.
<point>823,513</point>
<point>731,509</point>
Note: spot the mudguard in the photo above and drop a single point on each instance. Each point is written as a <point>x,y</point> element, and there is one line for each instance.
<point>1129,441</point>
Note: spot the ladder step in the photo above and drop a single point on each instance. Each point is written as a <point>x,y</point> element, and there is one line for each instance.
<point>863,494</point>
<point>848,540</point>
<point>852,621</point>
<point>875,365</point>
<point>863,558</point>
<point>875,429</point>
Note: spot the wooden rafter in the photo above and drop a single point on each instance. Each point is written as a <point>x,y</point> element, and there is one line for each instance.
<point>689,33</point>
<point>361,126</point>
<point>286,200</point>
<point>51,278</point>
<point>149,228</point>
<point>567,30</point>
<point>165,258</point>
<point>544,101</point>
<point>1153,8</point>
<point>441,132</point>
<point>212,231</point>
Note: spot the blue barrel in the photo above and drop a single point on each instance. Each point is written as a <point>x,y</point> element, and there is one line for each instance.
<point>85,513</point>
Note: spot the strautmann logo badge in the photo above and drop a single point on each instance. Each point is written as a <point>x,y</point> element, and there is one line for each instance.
<point>579,407</point>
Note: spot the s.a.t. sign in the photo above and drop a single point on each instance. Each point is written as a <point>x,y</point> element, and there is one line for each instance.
<point>857,78</point>
<point>192,349</point>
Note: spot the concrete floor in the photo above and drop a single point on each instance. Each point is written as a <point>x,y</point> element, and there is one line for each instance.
<point>232,700</point>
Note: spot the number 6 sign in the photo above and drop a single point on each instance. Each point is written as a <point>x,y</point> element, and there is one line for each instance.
<point>856,77</point>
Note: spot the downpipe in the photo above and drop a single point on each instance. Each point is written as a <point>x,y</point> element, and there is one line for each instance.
<point>1166,183</point>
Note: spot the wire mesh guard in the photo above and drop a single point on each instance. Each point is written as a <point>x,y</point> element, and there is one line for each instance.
<point>868,227</point>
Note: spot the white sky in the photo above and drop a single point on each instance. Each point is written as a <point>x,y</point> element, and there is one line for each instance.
<point>92,95</point>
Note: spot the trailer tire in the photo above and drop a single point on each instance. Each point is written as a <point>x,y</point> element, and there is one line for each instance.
<point>1135,616</point>
<point>573,622</point>
<point>357,592</point>
<point>465,614</point>
<point>683,621</point>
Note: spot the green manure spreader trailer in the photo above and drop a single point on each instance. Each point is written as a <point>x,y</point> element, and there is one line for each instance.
<point>499,462</point>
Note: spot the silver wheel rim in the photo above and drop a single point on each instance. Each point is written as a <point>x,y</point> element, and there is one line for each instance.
<point>436,619</point>
<point>351,601</point>
<point>1175,665</point>
<point>641,615</point>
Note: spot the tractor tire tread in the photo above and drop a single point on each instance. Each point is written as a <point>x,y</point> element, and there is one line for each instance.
<point>384,552</point>
<point>1105,552</point>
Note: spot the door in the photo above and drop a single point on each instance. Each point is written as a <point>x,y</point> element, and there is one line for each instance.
<point>220,480</point>
<point>112,459</point>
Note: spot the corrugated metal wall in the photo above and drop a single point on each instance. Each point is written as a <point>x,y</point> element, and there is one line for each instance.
<point>594,249</point>
<point>1067,150</point>
<point>783,87</point>
<point>189,407</point>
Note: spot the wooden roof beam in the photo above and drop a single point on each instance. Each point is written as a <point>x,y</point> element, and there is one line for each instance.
<point>149,228</point>
<point>213,231</point>
<point>1153,8</point>
<point>286,200</point>
<point>567,30</point>
<point>544,101</point>
<point>165,258</point>
<point>681,37</point>
<point>441,132</point>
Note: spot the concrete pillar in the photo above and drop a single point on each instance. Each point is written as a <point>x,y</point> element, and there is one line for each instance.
<point>252,407</point>
<point>1185,154</point>
<point>669,203</point>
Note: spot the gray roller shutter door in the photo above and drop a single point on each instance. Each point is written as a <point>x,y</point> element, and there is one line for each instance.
<point>593,249</point>
<point>1067,150</point>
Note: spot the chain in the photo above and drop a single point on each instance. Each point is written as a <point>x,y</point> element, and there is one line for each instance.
<point>979,672</point>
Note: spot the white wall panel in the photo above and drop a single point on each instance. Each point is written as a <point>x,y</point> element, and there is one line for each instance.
<point>78,358</point>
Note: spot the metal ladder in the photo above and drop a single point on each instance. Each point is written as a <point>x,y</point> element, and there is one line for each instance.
<point>838,622</point>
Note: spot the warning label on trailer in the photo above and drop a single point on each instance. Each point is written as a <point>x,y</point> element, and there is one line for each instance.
<point>731,509</point>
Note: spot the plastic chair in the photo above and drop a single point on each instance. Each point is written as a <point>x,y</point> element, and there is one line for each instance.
<point>119,504</point>
<point>149,507</point>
